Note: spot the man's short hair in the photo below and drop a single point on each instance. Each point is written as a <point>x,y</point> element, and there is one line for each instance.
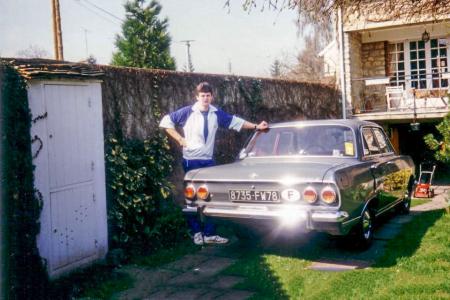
<point>203,87</point>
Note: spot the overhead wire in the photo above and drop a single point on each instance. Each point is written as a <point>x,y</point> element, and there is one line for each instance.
<point>96,13</point>
<point>104,10</point>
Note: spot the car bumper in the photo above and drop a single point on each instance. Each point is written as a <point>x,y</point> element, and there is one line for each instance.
<point>334,222</point>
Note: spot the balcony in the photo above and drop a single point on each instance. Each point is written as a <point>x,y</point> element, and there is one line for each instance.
<point>424,105</point>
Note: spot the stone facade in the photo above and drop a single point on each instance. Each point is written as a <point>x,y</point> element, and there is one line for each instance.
<point>373,57</point>
<point>353,70</point>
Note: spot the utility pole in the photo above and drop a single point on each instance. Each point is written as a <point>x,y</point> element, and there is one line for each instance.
<point>86,42</point>
<point>190,66</point>
<point>57,32</point>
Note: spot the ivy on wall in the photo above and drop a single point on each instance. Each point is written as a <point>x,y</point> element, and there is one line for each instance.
<point>142,213</point>
<point>28,278</point>
<point>252,95</point>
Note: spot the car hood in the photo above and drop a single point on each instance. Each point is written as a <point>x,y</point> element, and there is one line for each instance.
<point>273,169</point>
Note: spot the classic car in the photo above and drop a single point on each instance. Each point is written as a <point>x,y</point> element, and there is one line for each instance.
<point>333,176</point>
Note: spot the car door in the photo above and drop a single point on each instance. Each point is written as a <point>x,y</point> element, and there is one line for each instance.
<point>396,179</point>
<point>378,151</point>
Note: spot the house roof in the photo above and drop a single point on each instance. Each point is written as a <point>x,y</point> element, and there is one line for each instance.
<point>38,68</point>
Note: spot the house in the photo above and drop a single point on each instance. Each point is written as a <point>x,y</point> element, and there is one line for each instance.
<point>396,70</point>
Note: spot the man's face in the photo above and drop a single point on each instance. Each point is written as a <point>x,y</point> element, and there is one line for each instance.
<point>204,99</point>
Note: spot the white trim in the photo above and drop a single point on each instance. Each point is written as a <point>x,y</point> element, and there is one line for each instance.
<point>407,65</point>
<point>376,81</point>
<point>428,65</point>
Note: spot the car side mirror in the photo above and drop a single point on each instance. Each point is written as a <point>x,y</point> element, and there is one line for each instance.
<point>243,154</point>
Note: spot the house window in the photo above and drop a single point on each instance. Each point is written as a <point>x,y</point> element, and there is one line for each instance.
<point>438,49</point>
<point>418,69</point>
<point>419,64</point>
<point>397,64</point>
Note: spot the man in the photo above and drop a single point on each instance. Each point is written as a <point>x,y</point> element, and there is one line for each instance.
<point>200,122</point>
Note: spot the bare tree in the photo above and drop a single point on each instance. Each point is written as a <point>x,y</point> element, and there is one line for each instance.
<point>33,51</point>
<point>321,10</point>
<point>308,65</point>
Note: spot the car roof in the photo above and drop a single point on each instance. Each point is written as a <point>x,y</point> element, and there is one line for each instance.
<point>355,124</point>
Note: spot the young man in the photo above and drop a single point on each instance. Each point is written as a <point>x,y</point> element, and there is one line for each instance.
<point>200,122</point>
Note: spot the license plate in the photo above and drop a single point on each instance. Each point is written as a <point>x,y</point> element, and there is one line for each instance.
<point>254,196</point>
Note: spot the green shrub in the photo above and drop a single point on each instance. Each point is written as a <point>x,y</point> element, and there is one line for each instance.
<point>25,273</point>
<point>142,213</point>
<point>440,144</point>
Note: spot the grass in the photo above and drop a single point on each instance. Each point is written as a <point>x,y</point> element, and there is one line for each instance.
<point>419,201</point>
<point>416,265</point>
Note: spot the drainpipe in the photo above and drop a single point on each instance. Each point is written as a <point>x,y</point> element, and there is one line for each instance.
<point>342,67</point>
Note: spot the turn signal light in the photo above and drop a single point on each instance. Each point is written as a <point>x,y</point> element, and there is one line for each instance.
<point>310,195</point>
<point>202,192</point>
<point>328,195</point>
<point>189,192</point>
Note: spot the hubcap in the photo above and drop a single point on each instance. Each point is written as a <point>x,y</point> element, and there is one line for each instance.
<point>367,225</point>
<point>406,204</point>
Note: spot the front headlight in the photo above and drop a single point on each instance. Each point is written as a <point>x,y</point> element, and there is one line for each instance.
<point>328,195</point>
<point>203,192</point>
<point>189,192</point>
<point>310,194</point>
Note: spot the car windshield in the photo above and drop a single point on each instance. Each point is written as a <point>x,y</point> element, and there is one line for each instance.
<point>311,140</point>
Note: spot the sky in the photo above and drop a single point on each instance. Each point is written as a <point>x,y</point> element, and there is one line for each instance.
<point>224,38</point>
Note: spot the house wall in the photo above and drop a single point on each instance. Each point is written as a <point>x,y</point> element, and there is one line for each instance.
<point>353,69</point>
<point>409,32</point>
<point>373,59</point>
<point>384,14</point>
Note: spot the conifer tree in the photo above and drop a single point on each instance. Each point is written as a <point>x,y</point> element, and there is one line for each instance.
<point>144,42</point>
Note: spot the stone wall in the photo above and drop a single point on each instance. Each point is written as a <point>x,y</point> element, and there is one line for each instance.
<point>374,65</point>
<point>127,93</point>
<point>353,69</point>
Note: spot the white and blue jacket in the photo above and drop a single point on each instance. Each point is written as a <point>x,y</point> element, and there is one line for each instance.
<point>191,119</point>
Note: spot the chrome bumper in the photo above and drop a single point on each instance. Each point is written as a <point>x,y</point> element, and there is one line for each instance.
<point>252,212</point>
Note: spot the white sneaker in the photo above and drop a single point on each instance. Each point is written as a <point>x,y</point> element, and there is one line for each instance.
<point>215,239</point>
<point>198,238</point>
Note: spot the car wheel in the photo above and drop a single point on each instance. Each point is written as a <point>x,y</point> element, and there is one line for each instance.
<point>243,234</point>
<point>405,206</point>
<point>364,230</point>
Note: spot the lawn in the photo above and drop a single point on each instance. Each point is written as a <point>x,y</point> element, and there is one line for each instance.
<point>419,201</point>
<point>416,265</point>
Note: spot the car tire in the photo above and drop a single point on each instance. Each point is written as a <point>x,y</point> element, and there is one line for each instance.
<point>405,206</point>
<point>364,229</point>
<point>243,234</point>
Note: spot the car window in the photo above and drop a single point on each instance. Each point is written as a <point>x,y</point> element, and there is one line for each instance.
<point>370,144</point>
<point>382,141</point>
<point>317,140</point>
